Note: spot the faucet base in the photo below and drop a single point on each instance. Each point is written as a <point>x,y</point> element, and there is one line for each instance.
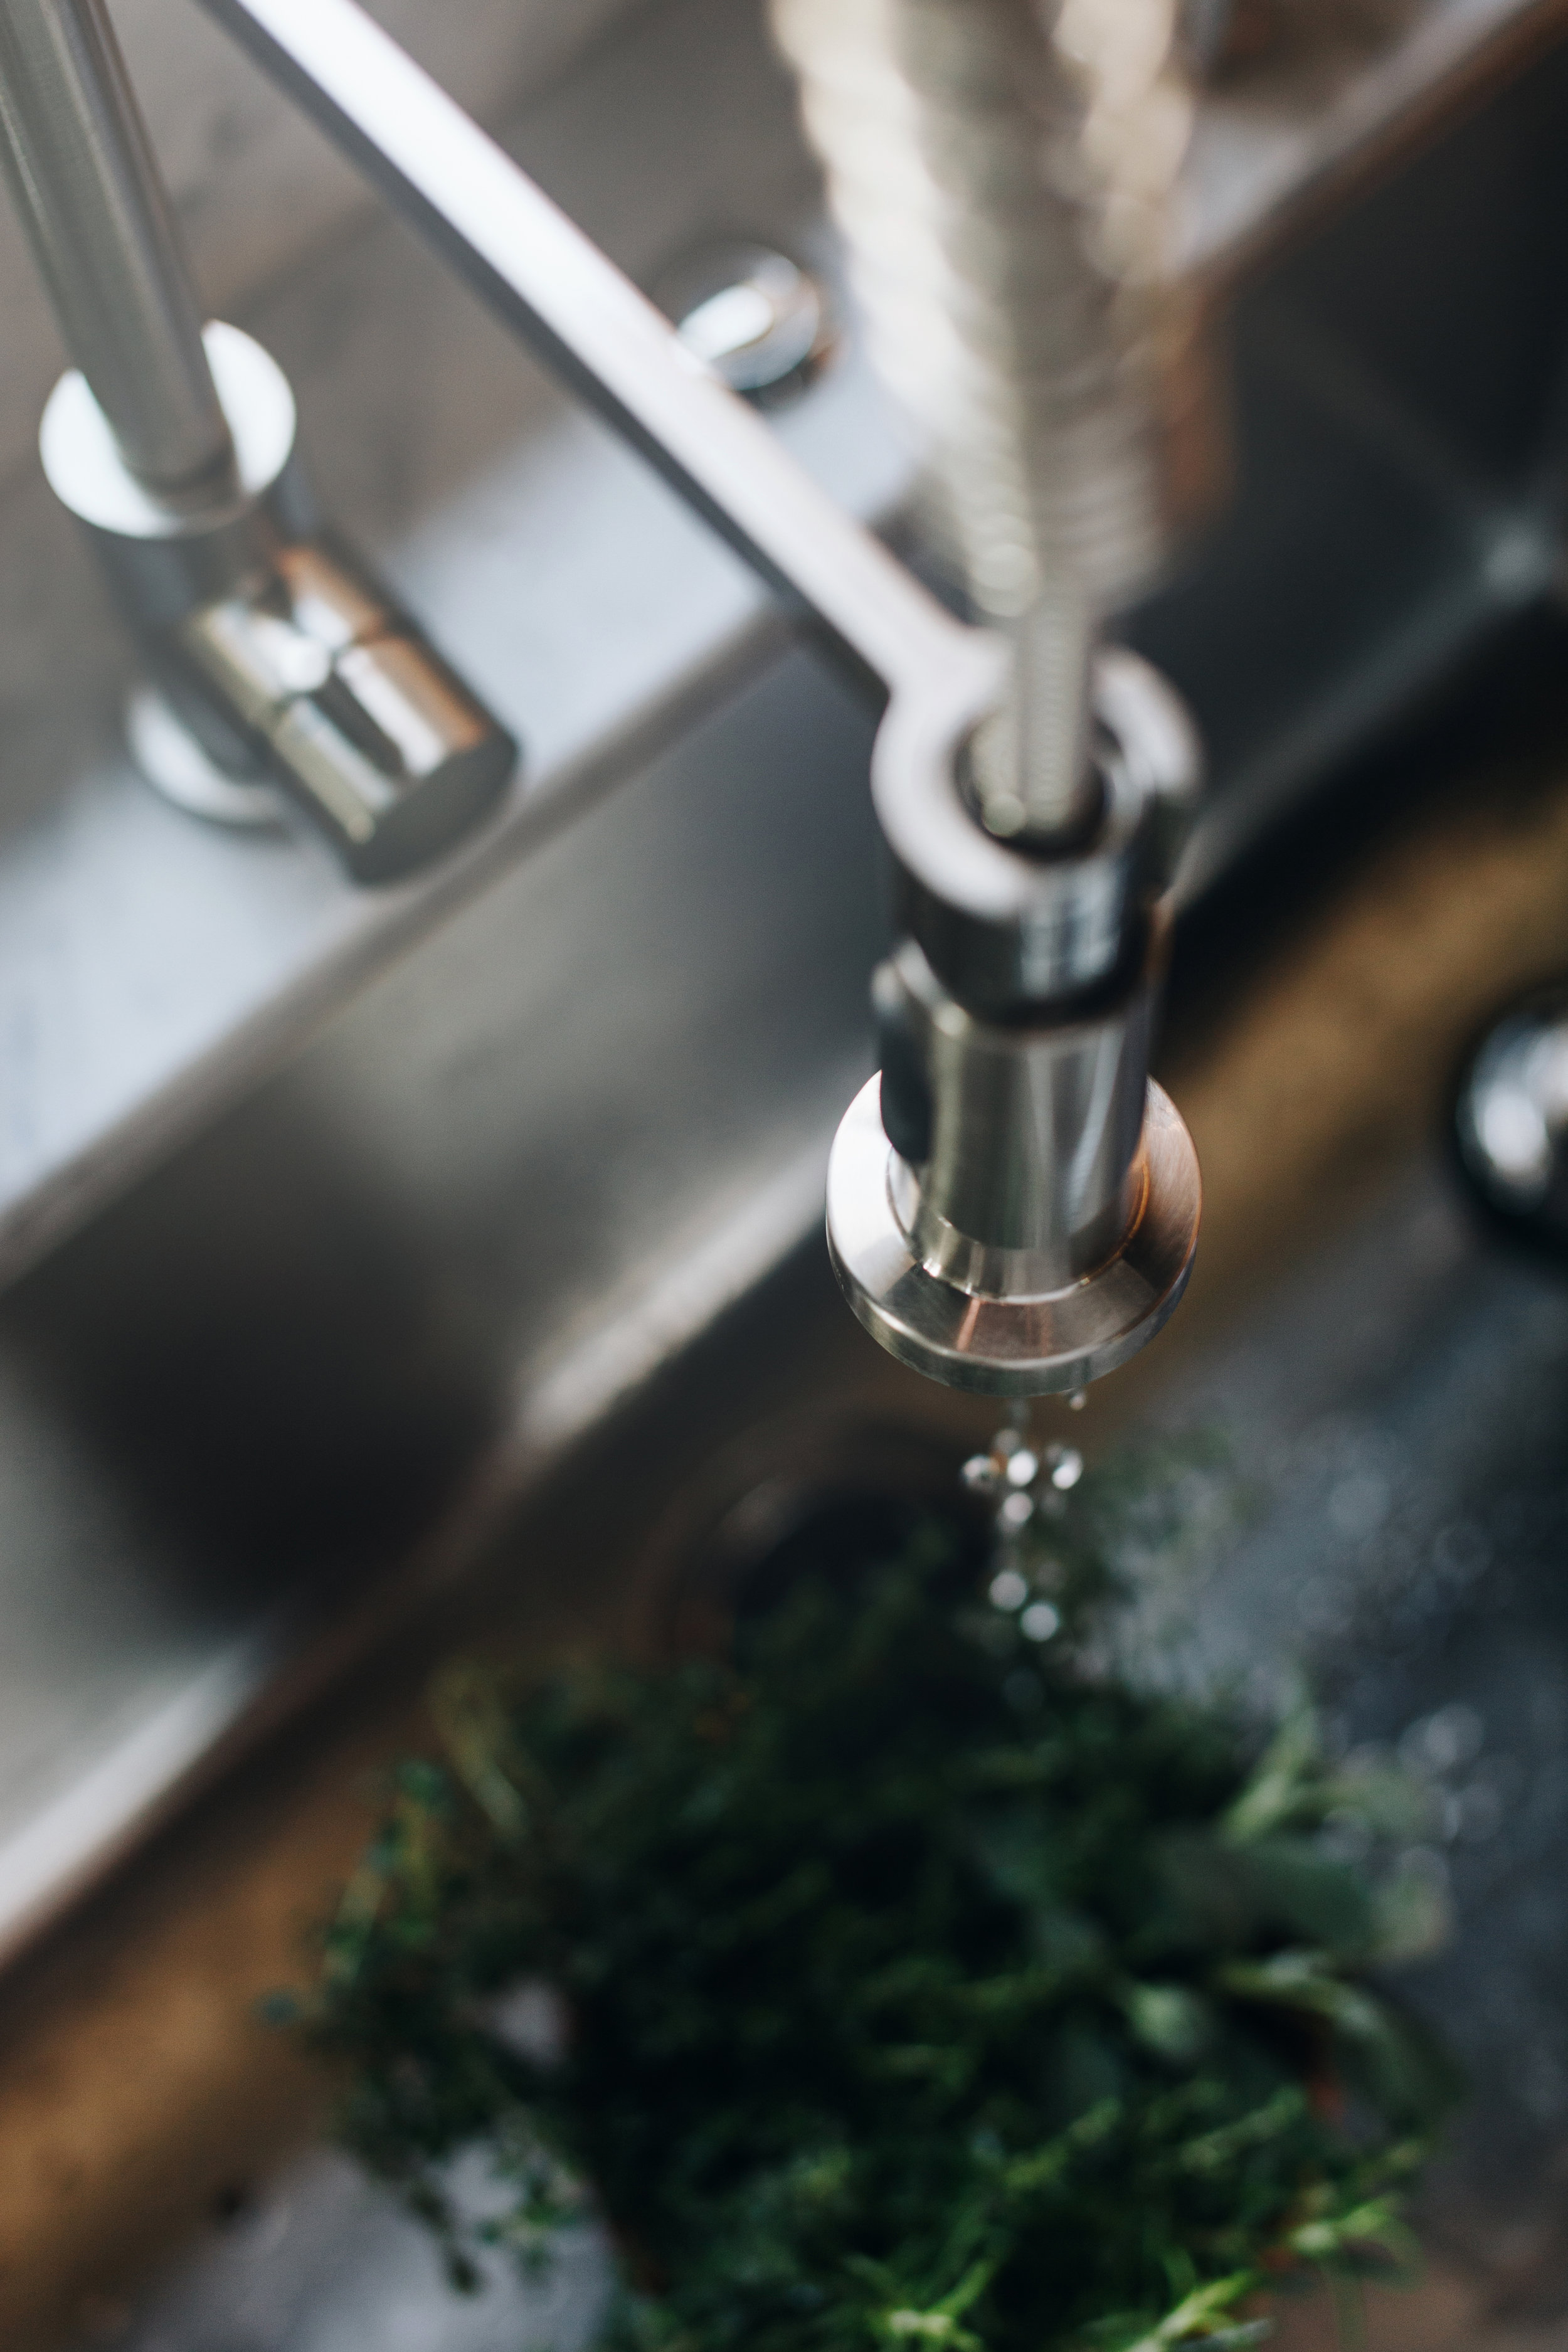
<point>279,652</point>
<point>1042,1345</point>
<point>180,768</point>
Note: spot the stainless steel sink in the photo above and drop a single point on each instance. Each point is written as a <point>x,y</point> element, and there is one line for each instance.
<point>333,1219</point>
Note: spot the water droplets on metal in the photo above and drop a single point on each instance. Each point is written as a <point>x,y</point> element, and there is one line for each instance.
<point>1066,1467</point>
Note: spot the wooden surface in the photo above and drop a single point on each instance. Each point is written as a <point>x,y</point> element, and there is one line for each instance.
<point>1451,2310</point>
<point>139,2091</point>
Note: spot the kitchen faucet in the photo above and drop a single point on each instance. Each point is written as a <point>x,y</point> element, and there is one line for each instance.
<point>1013,1203</point>
<point>275,657</point>
<point>1003,173</point>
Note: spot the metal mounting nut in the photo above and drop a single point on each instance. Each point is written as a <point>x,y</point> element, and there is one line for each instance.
<point>757,319</point>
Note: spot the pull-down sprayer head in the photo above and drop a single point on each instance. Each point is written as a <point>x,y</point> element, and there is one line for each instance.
<point>1011,1207</point>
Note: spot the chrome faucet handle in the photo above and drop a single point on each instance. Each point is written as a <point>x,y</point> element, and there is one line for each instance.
<point>317,680</point>
<point>278,662</point>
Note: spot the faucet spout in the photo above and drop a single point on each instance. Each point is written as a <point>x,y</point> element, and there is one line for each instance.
<point>82,173</point>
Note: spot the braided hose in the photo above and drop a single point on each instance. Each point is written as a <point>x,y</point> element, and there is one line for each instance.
<point>1002,171</point>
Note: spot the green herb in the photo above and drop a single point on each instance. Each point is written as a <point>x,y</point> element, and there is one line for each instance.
<point>923,1985</point>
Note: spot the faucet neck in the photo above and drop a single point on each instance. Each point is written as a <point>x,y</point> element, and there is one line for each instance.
<point>80,166</point>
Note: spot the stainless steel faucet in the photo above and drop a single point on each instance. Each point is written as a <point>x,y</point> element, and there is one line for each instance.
<point>1003,170</point>
<point>276,658</point>
<point>1013,1205</point>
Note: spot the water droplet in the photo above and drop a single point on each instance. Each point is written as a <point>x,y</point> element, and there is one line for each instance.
<point>1040,1621</point>
<point>1455,1735</point>
<point>1017,1512</point>
<point>1008,1590</point>
<point>1079,1399</point>
<point>1024,1468</point>
<point>979,1472</point>
<point>1442,1742</point>
<point>1067,1469</point>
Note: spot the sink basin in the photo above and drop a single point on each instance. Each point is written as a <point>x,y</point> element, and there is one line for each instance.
<point>330,1216</point>
<point>1394,1413</point>
<point>386,1271</point>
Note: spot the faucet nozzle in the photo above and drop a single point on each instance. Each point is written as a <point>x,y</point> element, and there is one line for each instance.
<point>1012,1206</point>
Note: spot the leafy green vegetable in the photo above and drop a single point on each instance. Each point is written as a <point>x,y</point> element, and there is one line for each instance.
<point>923,1985</point>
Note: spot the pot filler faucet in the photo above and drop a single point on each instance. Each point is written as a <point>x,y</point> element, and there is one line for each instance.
<point>1013,1204</point>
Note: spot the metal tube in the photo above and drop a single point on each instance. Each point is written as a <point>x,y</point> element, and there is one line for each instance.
<point>77,159</point>
<point>553,288</point>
